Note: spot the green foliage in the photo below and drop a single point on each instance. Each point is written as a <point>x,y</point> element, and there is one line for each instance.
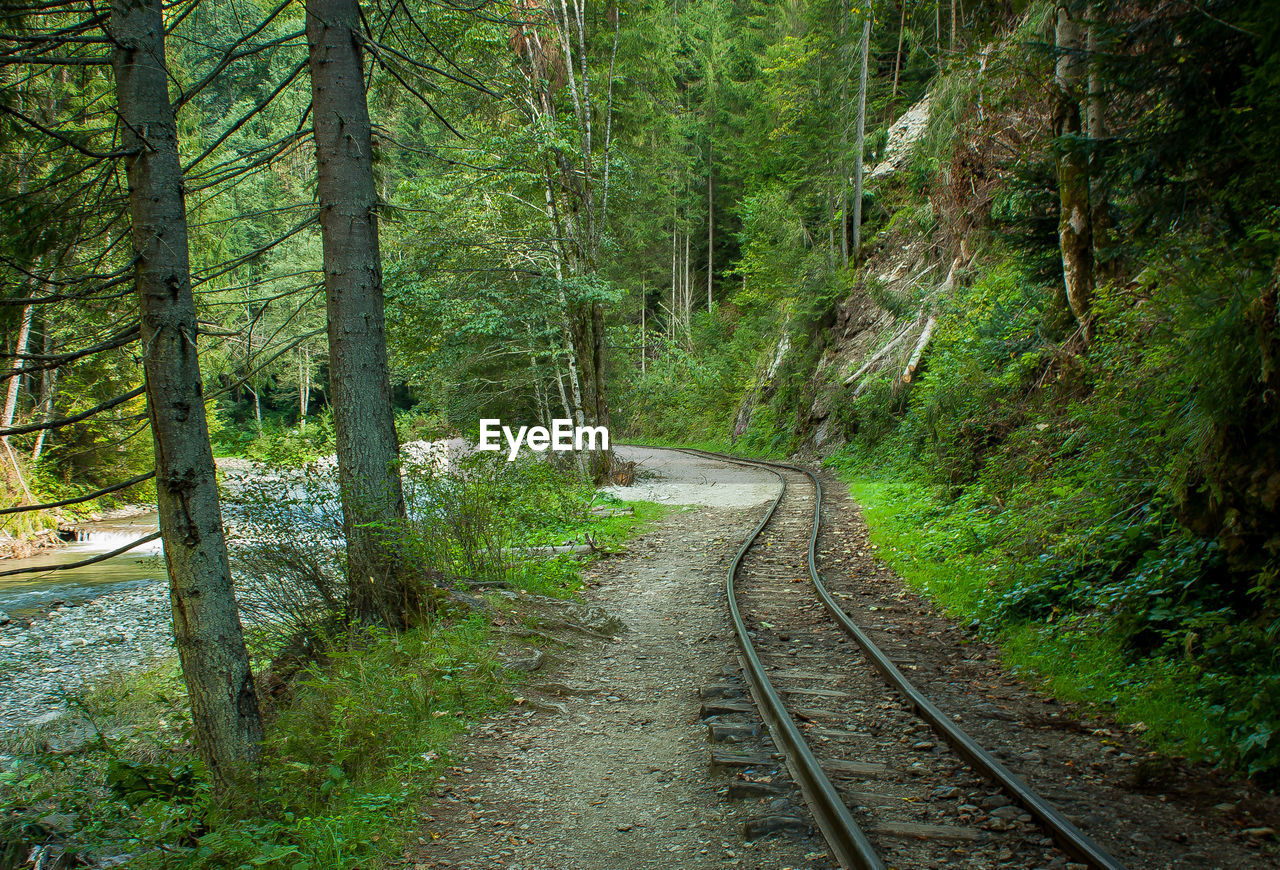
<point>355,744</point>
<point>284,446</point>
<point>1053,490</point>
<point>470,522</point>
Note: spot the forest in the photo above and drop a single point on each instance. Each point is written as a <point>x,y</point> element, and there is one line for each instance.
<point>1009,270</point>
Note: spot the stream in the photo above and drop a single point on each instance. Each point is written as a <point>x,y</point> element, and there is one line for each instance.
<point>29,595</point>
<point>63,630</point>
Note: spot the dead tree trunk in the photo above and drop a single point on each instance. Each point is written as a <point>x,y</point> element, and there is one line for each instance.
<point>373,508</point>
<point>206,623</point>
<point>1075,235</point>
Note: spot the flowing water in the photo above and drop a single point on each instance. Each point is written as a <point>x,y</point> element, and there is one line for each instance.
<point>28,594</point>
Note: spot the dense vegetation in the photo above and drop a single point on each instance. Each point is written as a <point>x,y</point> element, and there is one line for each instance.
<point>1107,507</point>
<point>1041,343</point>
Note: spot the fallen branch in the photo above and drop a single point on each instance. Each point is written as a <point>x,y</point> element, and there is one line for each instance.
<point>914,361</point>
<point>96,559</point>
<point>878,355</point>
<point>526,633</point>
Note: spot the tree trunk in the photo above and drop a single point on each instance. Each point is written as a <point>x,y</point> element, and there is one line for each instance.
<point>48,396</point>
<point>304,386</point>
<point>1075,235</point>
<point>914,361</point>
<point>644,347</point>
<point>860,140</point>
<point>711,224</point>
<point>206,623</point>
<point>937,30</point>
<point>897,59</point>
<point>688,292</point>
<point>257,408</point>
<point>564,397</point>
<point>373,509</point>
<point>843,168</point>
<point>671,318</point>
<point>1096,130</point>
<point>15,378</point>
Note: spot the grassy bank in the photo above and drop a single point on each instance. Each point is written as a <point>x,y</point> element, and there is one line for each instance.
<point>939,548</point>
<point>356,738</point>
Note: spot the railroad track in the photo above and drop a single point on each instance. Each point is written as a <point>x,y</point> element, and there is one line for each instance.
<point>854,732</point>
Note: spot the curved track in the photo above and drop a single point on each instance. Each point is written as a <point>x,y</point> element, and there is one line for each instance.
<point>774,626</point>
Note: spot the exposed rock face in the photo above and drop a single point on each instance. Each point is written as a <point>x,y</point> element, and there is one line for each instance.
<point>904,133</point>
<point>898,273</point>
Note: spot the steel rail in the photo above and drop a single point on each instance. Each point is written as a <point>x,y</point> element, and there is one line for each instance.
<point>849,845</point>
<point>1069,838</point>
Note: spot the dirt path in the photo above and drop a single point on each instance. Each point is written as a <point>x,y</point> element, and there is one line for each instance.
<point>606,765</point>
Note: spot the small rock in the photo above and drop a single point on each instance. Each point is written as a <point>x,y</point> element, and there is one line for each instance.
<point>757,828</point>
<point>994,801</point>
<point>1260,832</point>
<point>1008,813</point>
<point>5,619</point>
<point>528,664</point>
<point>942,793</point>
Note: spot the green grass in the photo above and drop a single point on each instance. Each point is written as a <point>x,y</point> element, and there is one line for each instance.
<point>345,765</point>
<point>561,577</point>
<point>1076,659</point>
<point>1078,662</point>
<point>895,513</point>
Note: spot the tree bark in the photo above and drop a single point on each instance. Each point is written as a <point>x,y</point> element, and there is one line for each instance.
<point>843,167</point>
<point>644,345</point>
<point>914,361</point>
<point>304,385</point>
<point>1096,130</point>
<point>48,395</point>
<point>688,291</point>
<point>373,508</point>
<point>206,622</point>
<point>1075,236</point>
<point>860,140</point>
<point>711,221</point>
<point>897,59</point>
<point>15,376</point>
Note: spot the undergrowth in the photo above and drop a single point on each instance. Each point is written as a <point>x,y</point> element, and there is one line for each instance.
<point>1054,498</point>
<point>355,740</point>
